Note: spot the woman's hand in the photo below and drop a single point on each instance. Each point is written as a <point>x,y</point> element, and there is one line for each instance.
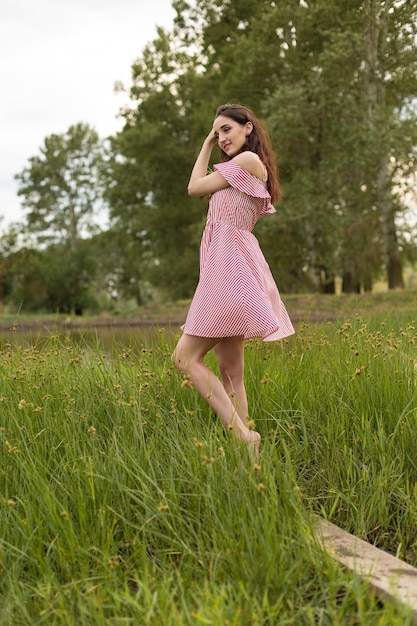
<point>211,138</point>
<point>201,183</point>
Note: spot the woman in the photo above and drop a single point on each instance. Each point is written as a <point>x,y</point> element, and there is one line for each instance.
<point>236,297</point>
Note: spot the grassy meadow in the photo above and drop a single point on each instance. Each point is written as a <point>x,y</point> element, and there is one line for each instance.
<point>123,500</point>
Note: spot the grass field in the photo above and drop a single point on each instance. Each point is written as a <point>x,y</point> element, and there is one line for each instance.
<point>308,307</point>
<point>123,501</point>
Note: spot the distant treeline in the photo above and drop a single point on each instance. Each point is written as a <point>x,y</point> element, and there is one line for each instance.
<point>335,83</point>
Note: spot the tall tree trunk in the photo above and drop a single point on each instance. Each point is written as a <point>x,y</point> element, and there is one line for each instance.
<point>329,284</point>
<point>393,263</point>
<point>314,271</point>
<point>350,284</point>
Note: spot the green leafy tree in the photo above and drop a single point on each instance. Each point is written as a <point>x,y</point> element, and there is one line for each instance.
<point>69,275</point>
<point>62,188</point>
<point>157,225</point>
<point>390,85</point>
<point>333,80</point>
<point>62,191</point>
<point>28,290</point>
<point>121,266</point>
<point>8,246</point>
<point>54,280</point>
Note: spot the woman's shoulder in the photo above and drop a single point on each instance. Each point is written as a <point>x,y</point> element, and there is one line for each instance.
<point>251,163</point>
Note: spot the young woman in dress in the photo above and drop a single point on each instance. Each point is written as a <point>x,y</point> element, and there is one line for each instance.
<point>236,297</point>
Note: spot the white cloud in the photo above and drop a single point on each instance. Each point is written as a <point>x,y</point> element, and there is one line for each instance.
<point>59,61</point>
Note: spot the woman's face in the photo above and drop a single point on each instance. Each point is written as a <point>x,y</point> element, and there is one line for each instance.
<point>231,135</point>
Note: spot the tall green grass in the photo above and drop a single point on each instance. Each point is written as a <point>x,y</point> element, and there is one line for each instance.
<point>123,501</point>
<point>342,399</point>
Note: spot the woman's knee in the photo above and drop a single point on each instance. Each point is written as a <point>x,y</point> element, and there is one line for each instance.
<point>178,359</point>
<point>230,358</point>
<point>190,351</point>
<point>183,356</point>
<point>231,369</point>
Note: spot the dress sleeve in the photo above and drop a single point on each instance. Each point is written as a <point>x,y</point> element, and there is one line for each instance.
<point>244,181</point>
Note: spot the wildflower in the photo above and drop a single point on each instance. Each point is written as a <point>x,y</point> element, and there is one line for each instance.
<point>186,383</point>
<point>113,561</point>
<point>207,460</point>
<point>261,487</point>
<point>251,425</point>
<point>163,507</point>
<point>91,430</point>
<point>198,443</point>
<point>11,502</point>
<point>22,404</point>
<point>298,491</point>
<point>256,467</point>
<point>358,371</point>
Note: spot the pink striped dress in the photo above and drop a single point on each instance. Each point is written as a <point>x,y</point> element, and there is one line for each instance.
<point>236,294</point>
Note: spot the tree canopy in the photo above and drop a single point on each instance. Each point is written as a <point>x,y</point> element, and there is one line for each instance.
<point>335,82</point>
<point>62,187</point>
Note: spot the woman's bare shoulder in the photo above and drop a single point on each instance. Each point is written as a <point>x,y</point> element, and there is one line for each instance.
<point>251,163</point>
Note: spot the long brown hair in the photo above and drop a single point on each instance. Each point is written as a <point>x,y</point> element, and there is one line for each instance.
<point>258,141</point>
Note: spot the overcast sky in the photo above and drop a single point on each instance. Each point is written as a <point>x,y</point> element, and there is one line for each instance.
<point>59,61</point>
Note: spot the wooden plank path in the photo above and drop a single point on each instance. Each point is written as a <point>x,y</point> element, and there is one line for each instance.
<point>391,578</point>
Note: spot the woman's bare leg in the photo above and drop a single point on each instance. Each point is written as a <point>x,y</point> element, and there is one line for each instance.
<point>188,358</point>
<point>230,355</point>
